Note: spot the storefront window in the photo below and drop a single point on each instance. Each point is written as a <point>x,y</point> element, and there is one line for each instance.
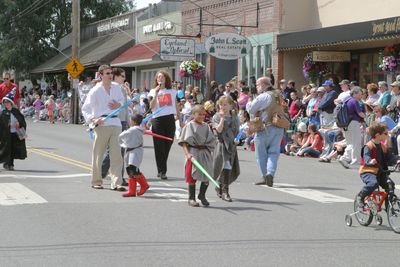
<point>369,69</point>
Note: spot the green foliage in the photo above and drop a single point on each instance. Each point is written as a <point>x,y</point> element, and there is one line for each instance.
<point>29,27</point>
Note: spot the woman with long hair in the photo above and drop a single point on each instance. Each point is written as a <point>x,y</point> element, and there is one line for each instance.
<point>163,123</point>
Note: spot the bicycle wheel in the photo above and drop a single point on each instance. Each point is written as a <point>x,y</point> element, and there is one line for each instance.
<point>393,213</point>
<point>363,217</point>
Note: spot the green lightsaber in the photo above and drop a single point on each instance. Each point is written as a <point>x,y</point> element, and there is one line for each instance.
<point>200,168</point>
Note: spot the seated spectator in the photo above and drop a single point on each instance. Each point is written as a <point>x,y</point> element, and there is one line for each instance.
<point>299,139</point>
<point>313,145</point>
<point>338,150</point>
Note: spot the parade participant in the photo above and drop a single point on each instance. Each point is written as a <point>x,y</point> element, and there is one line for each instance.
<point>131,140</point>
<point>163,123</point>
<point>50,105</point>
<point>7,86</point>
<point>197,142</point>
<point>102,99</point>
<point>267,142</point>
<point>374,164</point>
<point>118,79</point>
<point>226,163</point>
<point>12,146</point>
<point>37,104</point>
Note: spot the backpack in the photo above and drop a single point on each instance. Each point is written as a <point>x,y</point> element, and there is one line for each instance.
<point>342,116</point>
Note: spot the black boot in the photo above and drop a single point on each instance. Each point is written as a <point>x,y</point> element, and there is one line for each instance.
<point>219,190</point>
<point>360,200</point>
<point>225,187</point>
<point>192,196</point>
<point>202,194</point>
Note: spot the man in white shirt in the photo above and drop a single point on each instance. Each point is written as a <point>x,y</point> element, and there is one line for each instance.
<point>101,101</point>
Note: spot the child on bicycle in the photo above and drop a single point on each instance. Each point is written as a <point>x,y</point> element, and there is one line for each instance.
<point>374,164</point>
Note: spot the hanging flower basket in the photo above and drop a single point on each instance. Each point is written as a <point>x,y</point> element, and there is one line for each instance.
<point>192,68</point>
<point>313,71</point>
<point>389,58</point>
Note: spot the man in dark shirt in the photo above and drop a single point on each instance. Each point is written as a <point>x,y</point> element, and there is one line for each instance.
<point>327,104</point>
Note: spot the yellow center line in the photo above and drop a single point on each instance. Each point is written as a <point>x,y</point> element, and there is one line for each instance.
<point>61,158</point>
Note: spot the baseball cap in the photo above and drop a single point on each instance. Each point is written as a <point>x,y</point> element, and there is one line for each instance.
<point>344,82</point>
<point>283,81</point>
<point>396,84</point>
<point>321,89</point>
<point>328,83</point>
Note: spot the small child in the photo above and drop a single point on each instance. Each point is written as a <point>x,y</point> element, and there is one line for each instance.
<point>197,141</point>
<point>132,140</point>
<point>50,105</point>
<point>226,162</point>
<point>374,164</point>
<point>37,104</point>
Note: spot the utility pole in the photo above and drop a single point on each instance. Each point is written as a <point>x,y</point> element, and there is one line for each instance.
<point>75,21</point>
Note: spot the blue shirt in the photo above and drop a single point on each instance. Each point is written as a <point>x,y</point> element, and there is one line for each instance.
<point>390,124</point>
<point>326,104</point>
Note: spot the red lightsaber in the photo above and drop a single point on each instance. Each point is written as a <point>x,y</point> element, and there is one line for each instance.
<point>157,135</point>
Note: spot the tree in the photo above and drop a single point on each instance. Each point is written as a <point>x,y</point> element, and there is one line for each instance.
<point>28,28</point>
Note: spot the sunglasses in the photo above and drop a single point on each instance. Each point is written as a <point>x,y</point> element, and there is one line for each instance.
<point>6,78</point>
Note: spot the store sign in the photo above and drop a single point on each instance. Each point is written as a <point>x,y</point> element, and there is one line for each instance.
<point>163,25</point>
<point>228,46</point>
<point>330,56</point>
<point>385,27</point>
<point>112,25</point>
<point>175,49</point>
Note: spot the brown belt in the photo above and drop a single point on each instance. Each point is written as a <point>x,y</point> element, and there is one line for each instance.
<point>199,146</point>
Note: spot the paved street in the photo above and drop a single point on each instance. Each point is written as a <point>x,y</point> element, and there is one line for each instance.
<point>51,217</point>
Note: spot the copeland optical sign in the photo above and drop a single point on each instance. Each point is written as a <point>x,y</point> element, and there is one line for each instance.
<point>228,46</point>
<point>176,49</point>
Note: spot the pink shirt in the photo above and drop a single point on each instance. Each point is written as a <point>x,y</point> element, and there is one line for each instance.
<point>37,104</point>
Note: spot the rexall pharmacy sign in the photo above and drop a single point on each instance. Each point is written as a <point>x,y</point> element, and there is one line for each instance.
<point>227,46</point>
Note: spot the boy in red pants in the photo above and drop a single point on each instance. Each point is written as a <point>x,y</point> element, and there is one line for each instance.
<point>132,140</point>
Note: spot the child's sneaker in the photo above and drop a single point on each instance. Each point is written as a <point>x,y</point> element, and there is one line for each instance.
<point>360,202</point>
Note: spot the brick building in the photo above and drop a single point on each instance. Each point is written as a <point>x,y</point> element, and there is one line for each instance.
<point>233,14</point>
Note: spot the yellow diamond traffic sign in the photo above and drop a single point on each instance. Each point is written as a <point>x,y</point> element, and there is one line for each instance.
<point>74,67</point>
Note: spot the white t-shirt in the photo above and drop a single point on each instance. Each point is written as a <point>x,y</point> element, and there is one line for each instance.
<point>165,98</point>
<point>343,96</point>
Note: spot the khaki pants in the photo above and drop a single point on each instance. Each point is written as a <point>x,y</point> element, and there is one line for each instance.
<point>103,136</point>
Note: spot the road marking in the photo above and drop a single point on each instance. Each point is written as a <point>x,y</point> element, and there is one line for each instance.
<point>23,176</point>
<point>308,193</point>
<point>17,194</point>
<point>54,156</point>
<point>171,196</point>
